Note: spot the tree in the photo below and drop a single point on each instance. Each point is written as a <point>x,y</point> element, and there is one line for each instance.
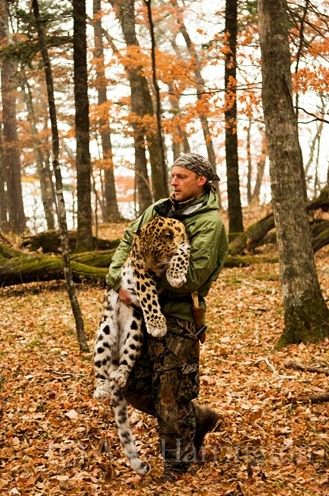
<point>231,126</point>
<point>110,210</point>
<point>141,106</point>
<point>200,87</point>
<point>81,336</point>
<point>83,163</point>
<point>306,316</point>
<point>10,155</point>
<point>41,160</point>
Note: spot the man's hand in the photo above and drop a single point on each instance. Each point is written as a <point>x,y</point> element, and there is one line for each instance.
<point>124,296</point>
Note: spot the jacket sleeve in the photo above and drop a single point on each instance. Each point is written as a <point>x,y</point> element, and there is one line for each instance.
<point>113,277</point>
<point>209,247</point>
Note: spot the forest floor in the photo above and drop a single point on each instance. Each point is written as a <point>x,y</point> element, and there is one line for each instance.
<point>56,440</point>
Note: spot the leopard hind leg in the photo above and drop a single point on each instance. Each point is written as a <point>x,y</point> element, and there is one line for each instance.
<point>126,437</point>
<point>130,345</point>
<point>106,346</point>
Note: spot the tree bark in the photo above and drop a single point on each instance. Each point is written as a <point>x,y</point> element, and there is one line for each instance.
<point>306,316</point>
<point>83,164</point>
<point>235,218</point>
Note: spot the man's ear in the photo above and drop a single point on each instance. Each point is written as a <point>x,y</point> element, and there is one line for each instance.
<point>202,180</point>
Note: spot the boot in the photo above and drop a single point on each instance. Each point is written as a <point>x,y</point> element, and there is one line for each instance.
<point>207,420</point>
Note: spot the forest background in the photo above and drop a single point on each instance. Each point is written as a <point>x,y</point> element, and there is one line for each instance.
<point>134,84</point>
<point>206,89</point>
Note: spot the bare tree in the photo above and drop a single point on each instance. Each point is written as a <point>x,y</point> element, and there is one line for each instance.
<point>82,340</point>
<point>306,316</point>
<point>110,210</point>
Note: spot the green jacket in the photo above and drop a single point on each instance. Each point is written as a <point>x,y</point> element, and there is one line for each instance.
<point>209,245</point>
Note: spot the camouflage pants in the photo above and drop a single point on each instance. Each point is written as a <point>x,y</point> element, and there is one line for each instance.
<point>163,383</point>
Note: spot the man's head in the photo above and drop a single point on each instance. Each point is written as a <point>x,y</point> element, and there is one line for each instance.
<point>191,175</point>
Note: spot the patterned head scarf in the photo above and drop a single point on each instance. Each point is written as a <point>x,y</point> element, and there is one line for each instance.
<point>198,164</point>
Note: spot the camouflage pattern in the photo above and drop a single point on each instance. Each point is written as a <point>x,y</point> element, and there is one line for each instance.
<point>198,164</point>
<point>163,383</point>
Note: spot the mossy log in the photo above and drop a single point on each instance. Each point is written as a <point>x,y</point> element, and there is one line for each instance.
<point>50,242</point>
<point>31,268</point>
<point>94,258</point>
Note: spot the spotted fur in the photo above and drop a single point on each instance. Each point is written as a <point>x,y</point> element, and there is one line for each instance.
<point>160,246</point>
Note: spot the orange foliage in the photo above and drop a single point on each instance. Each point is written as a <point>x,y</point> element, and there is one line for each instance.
<point>134,59</point>
<point>104,163</point>
<point>309,78</point>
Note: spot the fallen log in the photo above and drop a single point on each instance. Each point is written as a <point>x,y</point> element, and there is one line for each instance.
<point>31,268</point>
<point>253,236</point>
<point>49,242</point>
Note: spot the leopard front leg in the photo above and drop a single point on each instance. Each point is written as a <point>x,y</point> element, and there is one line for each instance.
<point>178,266</point>
<point>155,321</point>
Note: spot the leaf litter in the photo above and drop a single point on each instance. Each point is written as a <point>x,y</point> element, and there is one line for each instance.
<point>55,439</point>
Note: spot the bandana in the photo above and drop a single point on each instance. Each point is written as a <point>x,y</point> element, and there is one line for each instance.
<point>198,164</point>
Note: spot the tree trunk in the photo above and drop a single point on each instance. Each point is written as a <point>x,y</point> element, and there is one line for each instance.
<point>3,192</point>
<point>83,164</point>
<point>306,316</point>
<point>40,160</point>
<point>249,160</point>
<point>111,211</point>
<point>260,170</point>
<point>235,218</point>
<point>158,111</point>
<point>201,95</point>
<point>141,105</point>
<point>81,336</point>
<point>11,158</point>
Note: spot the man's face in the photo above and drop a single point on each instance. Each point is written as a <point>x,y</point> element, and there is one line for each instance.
<point>185,183</point>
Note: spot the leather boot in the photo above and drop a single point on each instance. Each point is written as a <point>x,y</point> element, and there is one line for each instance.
<point>207,420</point>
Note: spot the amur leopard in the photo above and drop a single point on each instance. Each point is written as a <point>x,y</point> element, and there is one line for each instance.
<point>161,245</point>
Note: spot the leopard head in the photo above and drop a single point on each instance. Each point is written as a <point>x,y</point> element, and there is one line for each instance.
<point>158,240</point>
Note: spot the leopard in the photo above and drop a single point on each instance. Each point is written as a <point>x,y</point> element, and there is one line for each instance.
<point>160,247</point>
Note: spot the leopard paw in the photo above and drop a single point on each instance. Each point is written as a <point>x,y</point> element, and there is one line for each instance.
<point>120,376</point>
<point>103,390</point>
<point>157,327</point>
<point>140,467</point>
<point>176,282</point>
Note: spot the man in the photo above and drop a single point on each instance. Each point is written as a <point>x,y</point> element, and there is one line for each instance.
<point>165,380</point>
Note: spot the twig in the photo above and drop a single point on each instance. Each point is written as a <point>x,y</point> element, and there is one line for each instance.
<point>317,398</point>
<point>308,368</point>
<point>268,363</point>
